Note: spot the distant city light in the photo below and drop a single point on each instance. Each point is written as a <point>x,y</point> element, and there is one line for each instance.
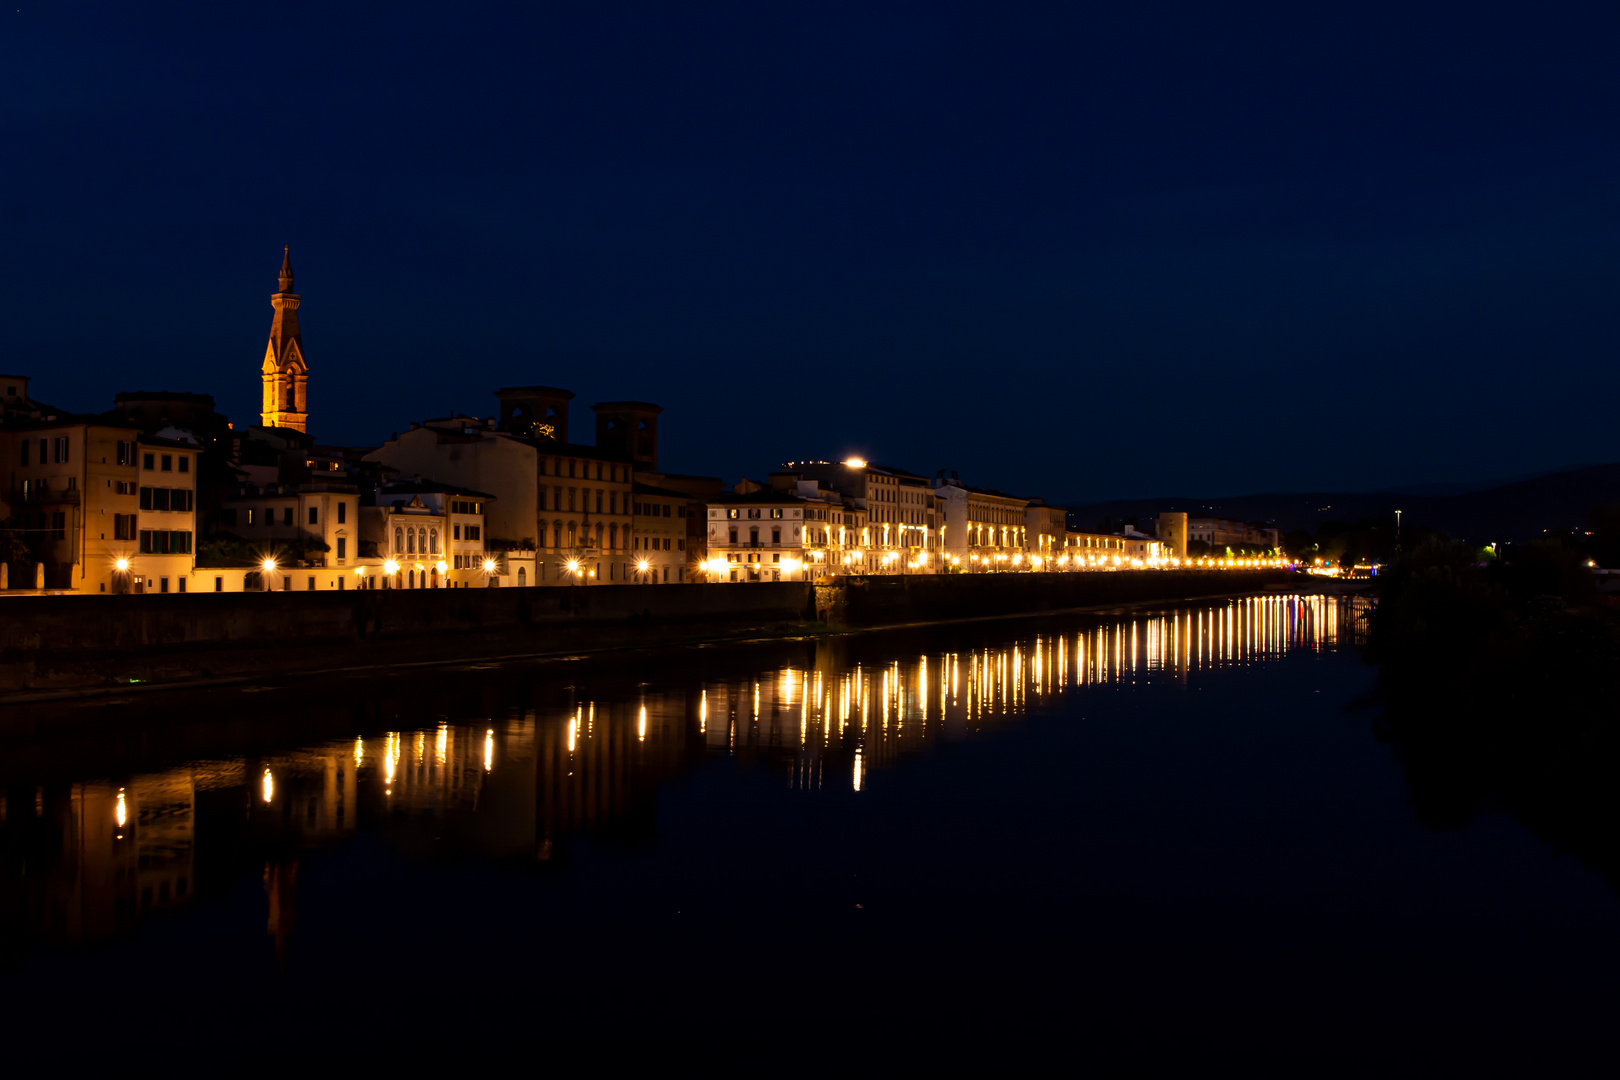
<point>855,462</point>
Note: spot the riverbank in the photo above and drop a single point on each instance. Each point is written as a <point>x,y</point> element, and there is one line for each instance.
<point>80,647</point>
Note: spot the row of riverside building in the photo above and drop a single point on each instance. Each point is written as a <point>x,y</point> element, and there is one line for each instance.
<point>161,493</point>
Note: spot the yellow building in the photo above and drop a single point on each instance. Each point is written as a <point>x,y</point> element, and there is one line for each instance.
<point>658,535</point>
<point>1045,528</point>
<point>102,508</point>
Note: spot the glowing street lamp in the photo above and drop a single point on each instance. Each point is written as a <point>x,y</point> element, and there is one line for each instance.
<point>489,566</point>
<point>122,566</point>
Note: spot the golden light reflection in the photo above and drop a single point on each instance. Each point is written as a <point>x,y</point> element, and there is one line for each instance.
<point>641,725</point>
<point>882,711</point>
<point>267,785</point>
<point>121,811</point>
<point>489,749</point>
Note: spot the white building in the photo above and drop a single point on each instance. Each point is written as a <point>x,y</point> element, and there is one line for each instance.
<point>757,537</point>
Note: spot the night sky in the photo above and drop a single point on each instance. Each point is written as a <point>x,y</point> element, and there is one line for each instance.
<point>1075,250</point>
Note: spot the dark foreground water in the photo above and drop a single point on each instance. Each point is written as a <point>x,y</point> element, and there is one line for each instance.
<point>1141,844</point>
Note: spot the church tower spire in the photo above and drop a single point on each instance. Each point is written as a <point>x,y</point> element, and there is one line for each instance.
<point>286,376</point>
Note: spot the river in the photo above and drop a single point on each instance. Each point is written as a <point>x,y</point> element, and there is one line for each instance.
<point>1155,842</point>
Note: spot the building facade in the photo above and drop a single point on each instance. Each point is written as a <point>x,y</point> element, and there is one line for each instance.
<point>755,537</point>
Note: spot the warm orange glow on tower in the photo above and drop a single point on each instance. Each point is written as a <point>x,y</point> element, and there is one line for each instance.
<point>286,376</point>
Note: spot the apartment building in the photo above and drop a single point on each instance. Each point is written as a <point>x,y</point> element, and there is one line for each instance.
<point>101,507</point>
<point>658,535</point>
<point>983,529</point>
<point>757,536</point>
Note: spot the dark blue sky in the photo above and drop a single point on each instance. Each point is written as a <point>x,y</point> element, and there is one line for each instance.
<point>1071,250</point>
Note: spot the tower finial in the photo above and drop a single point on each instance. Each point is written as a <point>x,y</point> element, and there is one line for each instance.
<point>286,270</point>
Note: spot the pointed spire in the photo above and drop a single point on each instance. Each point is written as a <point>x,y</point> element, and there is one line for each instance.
<point>286,270</point>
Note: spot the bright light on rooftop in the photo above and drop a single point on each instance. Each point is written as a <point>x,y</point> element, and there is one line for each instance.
<point>855,462</point>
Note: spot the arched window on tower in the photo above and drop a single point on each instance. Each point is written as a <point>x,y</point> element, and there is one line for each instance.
<point>410,541</point>
<point>292,399</point>
<point>421,541</point>
<point>399,540</point>
<point>433,541</point>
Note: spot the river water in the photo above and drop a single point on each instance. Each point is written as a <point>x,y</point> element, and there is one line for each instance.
<point>1147,843</point>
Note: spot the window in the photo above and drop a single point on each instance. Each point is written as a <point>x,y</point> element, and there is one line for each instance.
<point>123,526</point>
<point>126,453</point>
<point>250,515</point>
<point>343,512</point>
<point>433,541</point>
<point>599,475</point>
<point>146,498</point>
<point>166,463</point>
<point>666,509</point>
<point>599,493</point>
<point>60,449</point>
<point>219,584</point>
<point>163,584</point>
<point>410,541</point>
<point>776,536</point>
<point>455,532</point>
<point>399,539</point>
<point>25,445</point>
<point>343,546</point>
<point>59,525</point>
<point>571,493</point>
<point>733,514</point>
<point>269,517</point>
<point>571,464</point>
<point>474,532</point>
<point>311,587</point>
<point>314,516</point>
<point>286,515</point>
<point>613,502</point>
<point>185,467</point>
<point>733,536</point>
<point>776,513</point>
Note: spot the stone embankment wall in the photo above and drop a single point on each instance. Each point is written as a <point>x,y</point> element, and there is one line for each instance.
<point>887,600</point>
<point>55,642</point>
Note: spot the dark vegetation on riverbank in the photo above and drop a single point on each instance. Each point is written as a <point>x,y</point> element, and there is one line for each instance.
<point>1499,678</point>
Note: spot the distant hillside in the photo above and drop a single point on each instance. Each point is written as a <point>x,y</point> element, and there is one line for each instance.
<point>1517,511</point>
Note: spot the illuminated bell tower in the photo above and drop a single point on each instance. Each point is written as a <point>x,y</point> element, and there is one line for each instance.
<point>286,377</point>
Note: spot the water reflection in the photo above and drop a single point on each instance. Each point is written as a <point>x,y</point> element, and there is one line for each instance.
<point>87,860</point>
